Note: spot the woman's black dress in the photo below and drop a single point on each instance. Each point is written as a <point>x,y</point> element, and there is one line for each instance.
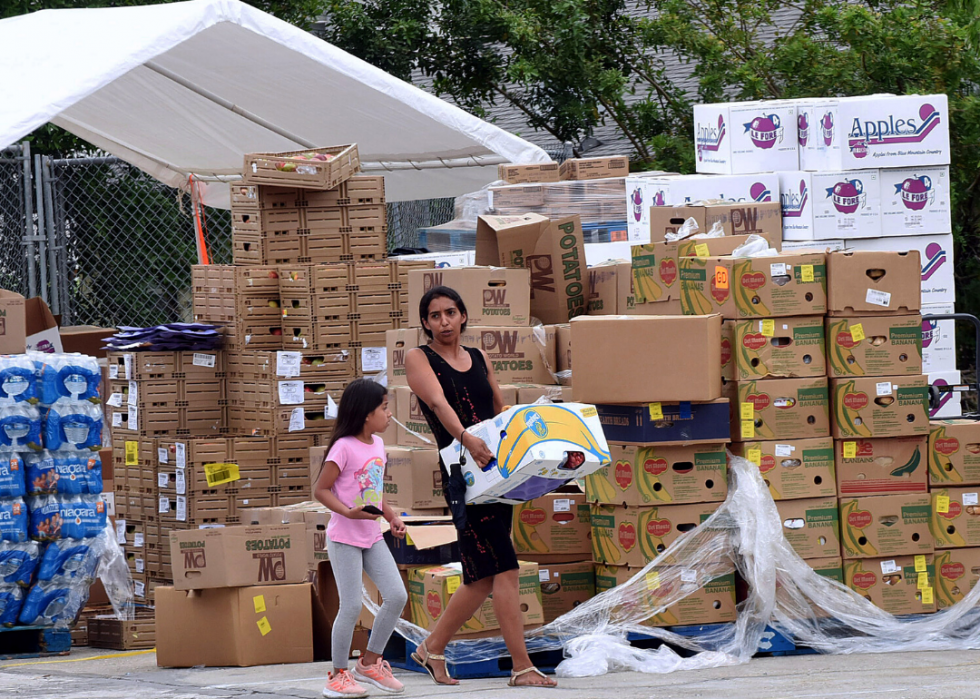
<point>485,545</point>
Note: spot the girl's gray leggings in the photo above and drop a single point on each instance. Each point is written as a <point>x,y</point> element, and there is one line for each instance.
<point>347,562</point>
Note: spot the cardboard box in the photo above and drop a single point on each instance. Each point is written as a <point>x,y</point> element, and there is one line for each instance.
<point>430,589</point>
<point>430,541</point>
<point>565,586</point>
<point>889,466</point>
<point>886,346</point>
<point>405,407</point>
<point>957,572</point>
<point>532,393</point>
<point>611,289</point>
<point>781,409</point>
<point>670,219</point>
<point>238,556</point>
<point>325,587</point>
<point>563,351</point>
<point>727,350</point>
<point>873,283</point>
<point>781,347</point>
<point>413,479</point>
<point>746,137</point>
<point>654,474</point>
<point>915,200</point>
<point>554,528</point>
<point>712,604</point>
<point>892,584</point>
<point>518,355</point>
<point>595,168</point>
<point>493,295</point>
<point>13,328</point>
<point>682,422</point>
<point>896,406</point>
<point>793,468</point>
<point>830,205</point>
<point>654,268</point>
<point>735,218</point>
<point>552,250</point>
<point>811,526</point>
<point>886,525</point>
<point>85,339</point>
<point>616,349</point>
<point>41,327</point>
<point>533,447</point>
<point>956,517</point>
<point>312,514</point>
<point>938,339</point>
<point>397,344</point>
<point>512,173</point>
<point>222,628</point>
<point>954,452</point>
<point>935,255</point>
<point>832,568</point>
<point>792,284</point>
<point>950,404</point>
<point>637,535</point>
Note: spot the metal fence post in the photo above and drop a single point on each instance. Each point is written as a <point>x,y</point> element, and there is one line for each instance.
<point>52,261</point>
<point>28,240</point>
<point>42,250</point>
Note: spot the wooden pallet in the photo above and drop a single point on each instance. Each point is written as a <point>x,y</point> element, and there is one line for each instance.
<point>399,654</point>
<point>33,642</point>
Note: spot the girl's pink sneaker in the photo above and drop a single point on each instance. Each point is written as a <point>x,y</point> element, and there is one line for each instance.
<point>379,675</point>
<point>342,685</point>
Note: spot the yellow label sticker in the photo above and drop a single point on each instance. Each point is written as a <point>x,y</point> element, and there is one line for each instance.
<point>452,584</point>
<point>806,273</point>
<point>259,602</point>
<point>216,474</point>
<point>748,429</point>
<point>754,455</point>
<point>923,581</point>
<point>408,539</point>
<point>747,410</point>
<point>942,504</point>
<point>850,450</point>
<point>920,564</point>
<point>857,332</point>
<point>927,596</point>
<point>656,411</point>
<point>264,626</point>
<point>701,249</point>
<point>721,278</point>
<point>768,327</point>
<point>653,580</point>
<point>132,453</point>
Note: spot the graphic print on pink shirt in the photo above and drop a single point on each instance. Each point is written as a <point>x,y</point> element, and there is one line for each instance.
<point>370,479</point>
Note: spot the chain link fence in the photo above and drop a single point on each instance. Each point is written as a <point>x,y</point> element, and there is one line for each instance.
<point>14,172</point>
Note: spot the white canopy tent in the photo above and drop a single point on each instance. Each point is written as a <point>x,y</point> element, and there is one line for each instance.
<point>188,88</point>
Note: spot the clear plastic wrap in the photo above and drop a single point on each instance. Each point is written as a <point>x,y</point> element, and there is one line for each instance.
<point>594,201</point>
<point>71,424</point>
<point>54,517</point>
<point>73,375</point>
<point>687,229</point>
<point>784,593</point>
<point>755,246</point>
<point>20,426</point>
<point>17,379</point>
<point>717,231</point>
<point>62,472</point>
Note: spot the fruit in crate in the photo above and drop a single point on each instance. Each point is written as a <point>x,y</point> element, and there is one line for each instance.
<point>273,274</point>
<point>273,304</point>
<point>276,331</point>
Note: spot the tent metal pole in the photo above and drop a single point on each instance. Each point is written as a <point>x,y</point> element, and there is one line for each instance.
<point>41,229</point>
<point>29,221</point>
<point>230,106</point>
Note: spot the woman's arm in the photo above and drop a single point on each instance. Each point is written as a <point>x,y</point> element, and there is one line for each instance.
<point>498,398</point>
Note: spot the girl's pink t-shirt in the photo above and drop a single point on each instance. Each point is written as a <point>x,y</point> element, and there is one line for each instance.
<point>361,482</point>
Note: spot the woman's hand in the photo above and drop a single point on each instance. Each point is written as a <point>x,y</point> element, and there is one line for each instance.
<point>359,513</point>
<point>398,527</point>
<point>477,448</point>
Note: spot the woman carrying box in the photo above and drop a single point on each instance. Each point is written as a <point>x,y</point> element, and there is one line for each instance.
<point>456,389</point>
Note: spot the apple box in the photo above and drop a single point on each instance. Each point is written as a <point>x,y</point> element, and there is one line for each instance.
<point>746,137</point>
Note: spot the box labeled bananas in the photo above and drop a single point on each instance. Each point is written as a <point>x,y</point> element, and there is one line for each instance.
<point>780,409</point>
<point>875,406</point>
<point>811,526</point>
<point>954,452</point>
<point>886,466</point>
<point>637,535</point>
<point>655,275</point>
<point>536,448</point>
<point>553,528</point>
<point>714,603</point>
<point>956,517</point>
<point>875,346</point>
<point>957,571</point>
<point>780,347</point>
<point>793,468</point>
<point>886,525</point>
<point>892,584</point>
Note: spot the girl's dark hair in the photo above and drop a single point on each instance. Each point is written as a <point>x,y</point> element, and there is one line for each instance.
<point>435,293</point>
<point>361,398</point>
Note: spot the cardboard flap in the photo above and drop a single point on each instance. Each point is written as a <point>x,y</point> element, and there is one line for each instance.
<point>432,536</point>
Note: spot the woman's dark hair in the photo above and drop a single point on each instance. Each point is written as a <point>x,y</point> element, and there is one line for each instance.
<point>361,398</point>
<point>439,292</point>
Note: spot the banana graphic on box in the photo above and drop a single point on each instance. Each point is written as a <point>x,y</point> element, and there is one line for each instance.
<point>537,449</point>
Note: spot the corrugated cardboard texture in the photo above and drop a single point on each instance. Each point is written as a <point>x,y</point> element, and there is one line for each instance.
<point>888,525</point>
<point>863,282</point>
<point>886,346</point>
<point>493,295</point>
<point>895,406</point>
<point>794,468</point>
<point>886,466</point>
<point>780,347</point>
<point>954,452</point>
<point>811,526</point>
<point>895,591</point>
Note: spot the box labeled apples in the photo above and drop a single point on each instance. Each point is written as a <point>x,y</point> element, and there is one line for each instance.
<point>746,137</point>
<point>780,347</point>
<point>652,474</point>
<point>954,452</point>
<point>873,283</point>
<point>793,468</point>
<point>893,584</point>
<point>816,121</point>
<point>811,526</point>
<point>957,572</point>
<point>876,406</point>
<point>637,535</point>
<point>565,586</point>
<point>956,517</point>
<point>893,131</point>
<point>553,528</point>
<point>935,256</point>
<point>886,525</point>
<point>779,409</point>
<point>938,339</point>
<point>518,355</point>
<point>493,295</point>
<point>875,346</point>
<point>830,205</point>
<point>915,200</point>
<point>761,287</point>
<point>888,466</point>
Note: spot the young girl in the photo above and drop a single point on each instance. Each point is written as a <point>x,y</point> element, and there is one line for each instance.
<point>351,484</point>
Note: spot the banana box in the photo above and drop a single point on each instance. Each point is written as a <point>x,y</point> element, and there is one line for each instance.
<point>811,526</point>
<point>554,528</point>
<point>956,517</point>
<point>896,406</point>
<point>886,525</point>
<point>790,284</point>
<point>537,449</point>
<point>727,346</point>
<point>831,567</point>
<point>780,409</point>
<point>957,571</point>
<point>637,535</point>
<point>654,268</point>
<point>954,452</point>
<point>565,586</point>
<point>714,603</point>
<point>780,347</point>
<point>652,474</point>
<point>899,585</point>
<point>888,466</point>
<point>793,468</point>
<point>875,346</point>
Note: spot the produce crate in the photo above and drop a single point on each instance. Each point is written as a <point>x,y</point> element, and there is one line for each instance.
<point>289,169</point>
<point>117,634</point>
